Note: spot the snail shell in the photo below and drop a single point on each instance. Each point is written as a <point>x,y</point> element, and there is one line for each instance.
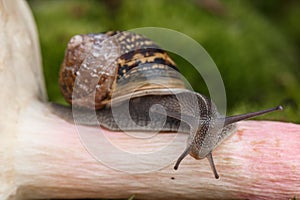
<point>121,65</point>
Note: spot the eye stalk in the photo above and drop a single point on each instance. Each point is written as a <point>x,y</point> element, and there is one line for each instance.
<point>236,118</point>
<point>227,121</point>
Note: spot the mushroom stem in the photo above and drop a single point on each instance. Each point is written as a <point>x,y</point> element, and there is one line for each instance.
<point>43,157</point>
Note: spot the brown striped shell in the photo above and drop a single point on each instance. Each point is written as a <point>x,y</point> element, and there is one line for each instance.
<point>115,65</point>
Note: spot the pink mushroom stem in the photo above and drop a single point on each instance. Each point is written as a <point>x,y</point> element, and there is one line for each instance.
<point>44,157</point>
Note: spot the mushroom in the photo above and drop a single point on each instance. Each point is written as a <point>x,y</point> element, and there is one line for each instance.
<point>42,156</point>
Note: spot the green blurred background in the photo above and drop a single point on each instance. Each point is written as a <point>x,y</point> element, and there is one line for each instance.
<point>255,43</point>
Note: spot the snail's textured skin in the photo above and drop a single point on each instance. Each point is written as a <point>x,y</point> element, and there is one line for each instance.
<point>203,120</point>
<point>94,64</point>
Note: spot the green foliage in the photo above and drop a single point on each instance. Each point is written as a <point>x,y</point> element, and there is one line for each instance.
<point>255,53</point>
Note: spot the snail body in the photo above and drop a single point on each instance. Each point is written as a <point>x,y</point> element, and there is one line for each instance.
<point>124,70</point>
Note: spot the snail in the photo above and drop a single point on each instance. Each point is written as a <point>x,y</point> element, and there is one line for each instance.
<point>124,68</point>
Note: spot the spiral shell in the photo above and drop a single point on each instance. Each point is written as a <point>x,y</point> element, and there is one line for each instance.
<point>115,65</point>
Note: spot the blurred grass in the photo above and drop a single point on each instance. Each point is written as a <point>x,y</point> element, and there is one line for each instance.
<point>256,49</point>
